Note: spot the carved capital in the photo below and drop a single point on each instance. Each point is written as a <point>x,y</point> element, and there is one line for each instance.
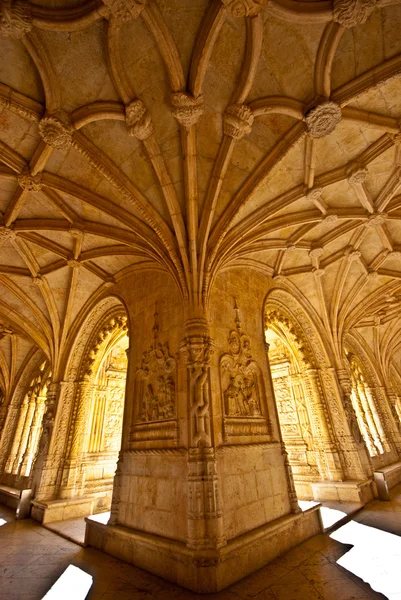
<point>186,108</point>
<point>197,351</point>
<point>238,120</point>
<point>38,280</point>
<point>314,194</point>
<point>357,175</point>
<point>244,8</point>
<point>30,183</point>
<point>74,264</point>
<point>6,235</point>
<point>138,120</point>
<point>125,10</point>
<point>4,330</point>
<point>352,254</point>
<point>352,12</point>
<point>318,272</point>
<point>322,119</point>
<point>376,219</point>
<point>316,252</point>
<point>56,131</point>
<point>15,18</point>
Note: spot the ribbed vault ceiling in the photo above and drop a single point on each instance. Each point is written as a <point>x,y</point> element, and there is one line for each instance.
<point>196,135</point>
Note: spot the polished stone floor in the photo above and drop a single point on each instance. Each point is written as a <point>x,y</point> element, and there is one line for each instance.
<point>32,558</point>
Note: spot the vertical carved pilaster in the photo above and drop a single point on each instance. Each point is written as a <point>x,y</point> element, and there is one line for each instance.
<point>9,468</point>
<point>44,471</point>
<point>387,414</point>
<point>72,478</point>
<point>372,417</point>
<point>356,431</point>
<point>33,436</point>
<point>329,452</point>
<point>205,521</point>
<point>292,493</point>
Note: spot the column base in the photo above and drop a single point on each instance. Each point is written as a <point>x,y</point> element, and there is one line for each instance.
<point>211,570</point>
<point>343,491</point>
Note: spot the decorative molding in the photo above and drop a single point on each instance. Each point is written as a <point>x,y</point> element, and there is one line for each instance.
<point>349,13</point>
<point>322,119</point>
<point>15,18</point>
<point>244,8</point>
<point>186,109</point>
<point>138,120</point>
<point>238,120</point>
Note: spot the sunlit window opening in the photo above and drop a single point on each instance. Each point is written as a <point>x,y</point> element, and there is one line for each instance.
<point>73,584</point>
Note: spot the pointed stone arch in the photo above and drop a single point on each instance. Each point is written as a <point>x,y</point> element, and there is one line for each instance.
<point>339,455</point>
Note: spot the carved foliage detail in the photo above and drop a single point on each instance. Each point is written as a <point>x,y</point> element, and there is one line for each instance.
<point>15,18</point>
<point>238,120</point>
<point>323,119</point>
<point>352,12</point>
<point>186,108</point>
<point>139,123</point>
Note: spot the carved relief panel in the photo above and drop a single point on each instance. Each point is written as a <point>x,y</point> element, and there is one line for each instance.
<point>242,387</point>
<point>155,419</point>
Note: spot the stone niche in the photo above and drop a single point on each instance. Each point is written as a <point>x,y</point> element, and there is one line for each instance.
<point>203,494</point>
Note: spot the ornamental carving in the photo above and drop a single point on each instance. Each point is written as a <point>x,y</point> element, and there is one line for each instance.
<point>6,235</point>
<point>30,183</point>
<point>357,175</point>
<point>240,376</point>
<point>244,8</point>
<point>323,119</point>
<point>138,120</point>
<point>238,120</point>
<point>352,12</point>
<point>55,132</point>
<point>186,109</point>
<point>156,384</point>
<point>125,10</point>
<point>15,18</point>
<point>4,330</point>
<point>376,220</point>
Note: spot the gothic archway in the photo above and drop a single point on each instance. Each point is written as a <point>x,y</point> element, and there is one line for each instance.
<point>28,423</point>
<point>95,430</point>
<point>312,414</point>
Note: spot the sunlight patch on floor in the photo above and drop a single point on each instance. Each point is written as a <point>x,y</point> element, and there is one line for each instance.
<point>375,557</point>
<point>101,517</point>
<point>2,522</point>
<point>73,583</point>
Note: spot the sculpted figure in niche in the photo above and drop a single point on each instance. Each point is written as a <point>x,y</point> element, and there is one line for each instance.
<point>240,378</point>
<point>156,385</point>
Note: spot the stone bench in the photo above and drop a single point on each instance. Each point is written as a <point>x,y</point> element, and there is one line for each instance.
<point>386,478</point>
<point>18,499</point>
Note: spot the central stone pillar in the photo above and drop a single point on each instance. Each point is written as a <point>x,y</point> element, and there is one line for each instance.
<point>203,493</point>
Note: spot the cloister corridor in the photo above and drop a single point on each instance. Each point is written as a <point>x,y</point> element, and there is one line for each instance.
<point>33,559</point>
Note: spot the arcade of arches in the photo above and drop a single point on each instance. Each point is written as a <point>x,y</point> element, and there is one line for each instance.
<point>200,276</point>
